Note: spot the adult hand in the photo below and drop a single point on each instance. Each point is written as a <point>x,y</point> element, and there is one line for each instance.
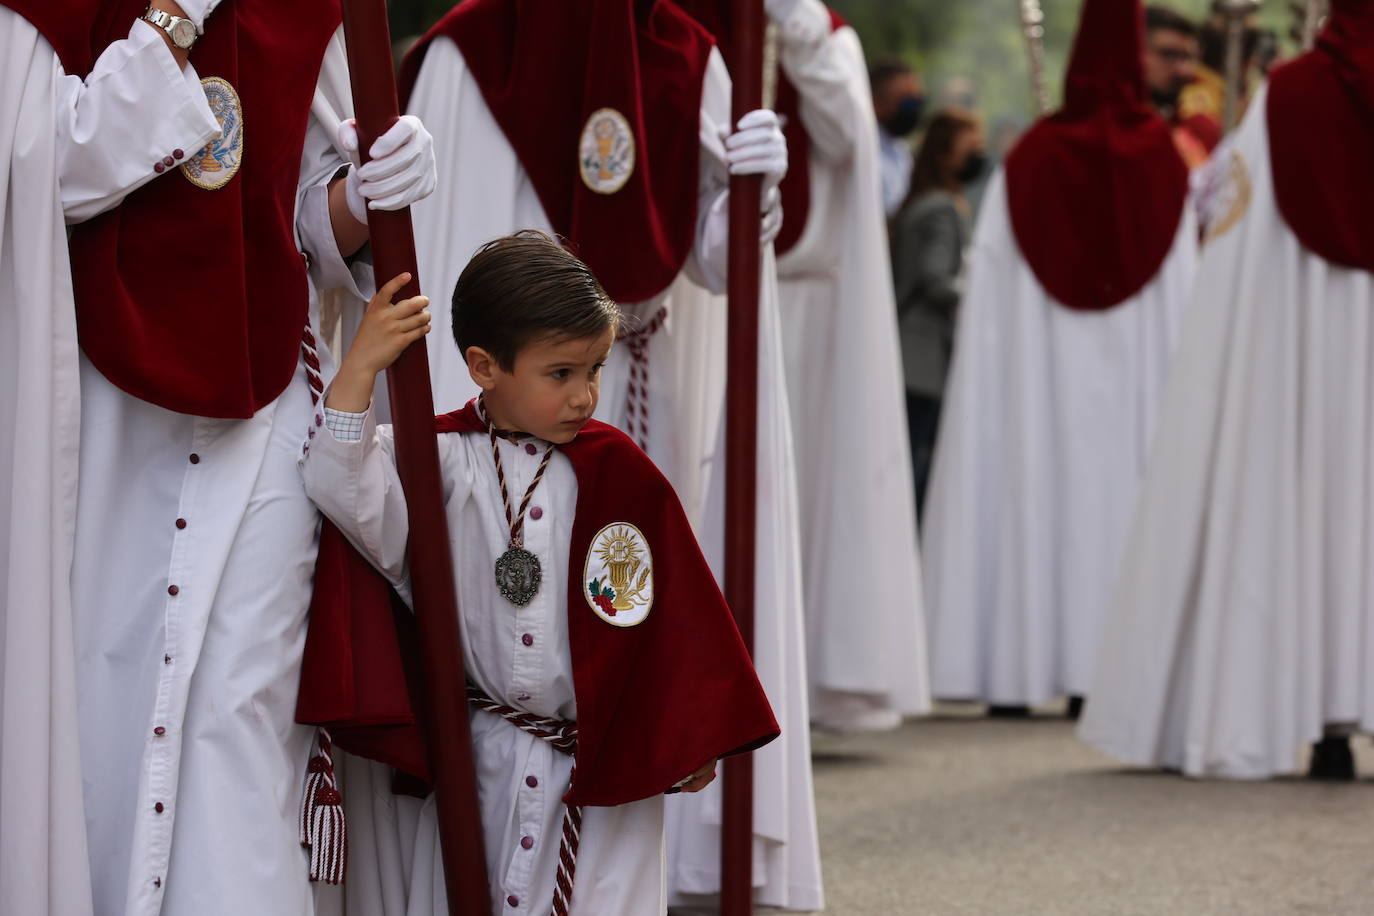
<point>758,147</point>
<point>402,169</point>
<point>779,10</point>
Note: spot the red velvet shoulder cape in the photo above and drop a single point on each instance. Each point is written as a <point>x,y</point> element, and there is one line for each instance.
<point>655,701</point>
<point>1096,190</point>
<point>544,68</point>
<point>716,17</point>
<point>1321,139</point>
<point>194,300</point>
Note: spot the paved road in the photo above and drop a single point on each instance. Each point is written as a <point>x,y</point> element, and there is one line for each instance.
<point>962,815</point>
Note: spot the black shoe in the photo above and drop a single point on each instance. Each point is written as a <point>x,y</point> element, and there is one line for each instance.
<point>1075,709</point>
<point>1332,760</point>
<point>1008,712</point>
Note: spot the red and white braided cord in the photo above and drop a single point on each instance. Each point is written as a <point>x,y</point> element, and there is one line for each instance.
<point>561,735</point>
<point>637,387</point>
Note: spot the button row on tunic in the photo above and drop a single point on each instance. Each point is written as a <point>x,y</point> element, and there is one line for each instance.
<point>168,161</point>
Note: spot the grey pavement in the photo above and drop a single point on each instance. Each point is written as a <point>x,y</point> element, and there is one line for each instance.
<point>959,814</point>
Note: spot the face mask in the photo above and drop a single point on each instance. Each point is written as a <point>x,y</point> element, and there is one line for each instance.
<point>973,167</point>
<point>1164,101</point>
<point>908,114</point>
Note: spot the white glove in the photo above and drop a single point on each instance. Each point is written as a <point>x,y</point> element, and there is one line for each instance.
<point>402,169</point>
<point>780,10</point>
<point>198,11</point>
<point>757,147</point>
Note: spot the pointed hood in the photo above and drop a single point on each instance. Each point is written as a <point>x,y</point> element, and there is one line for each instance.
<point>1096,190</point>
<point>1321,139</point>
<point>1105,69</point>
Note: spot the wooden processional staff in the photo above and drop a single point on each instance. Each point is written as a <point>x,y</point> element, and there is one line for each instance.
<point>417,459</point>
<point>741,445</point>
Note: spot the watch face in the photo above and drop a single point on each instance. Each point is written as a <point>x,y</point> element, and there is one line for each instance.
<point>184,33</point>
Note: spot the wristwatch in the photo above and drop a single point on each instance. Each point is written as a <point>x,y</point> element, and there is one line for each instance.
<point>182,31</point>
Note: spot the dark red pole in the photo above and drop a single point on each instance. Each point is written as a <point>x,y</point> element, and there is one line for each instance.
<point>417,460</point>
<point>741,446</point>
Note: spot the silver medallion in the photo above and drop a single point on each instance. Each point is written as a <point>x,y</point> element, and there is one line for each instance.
<point>518,575</point>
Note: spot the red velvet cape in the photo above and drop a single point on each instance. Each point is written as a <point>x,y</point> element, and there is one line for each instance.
<point>1321,139</point>
<point>543,68</point>
<point>1096,190</point>
<point>716,17</point>
<point>190,299</point>
<point>655,701</point>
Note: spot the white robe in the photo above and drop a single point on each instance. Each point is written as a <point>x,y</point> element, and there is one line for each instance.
<point>1241,621</point>
<point>216,665</point>
<point>865,626</point>
<point>517,656</point>
<point>1042,445</point>
<point>492,197</point>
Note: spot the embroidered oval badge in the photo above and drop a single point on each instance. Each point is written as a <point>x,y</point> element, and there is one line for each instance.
<point>619,579</point>
<point>606,154</point>
<point>218,162</point>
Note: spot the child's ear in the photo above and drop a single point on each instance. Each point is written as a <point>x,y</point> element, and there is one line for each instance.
<point>482,367</point>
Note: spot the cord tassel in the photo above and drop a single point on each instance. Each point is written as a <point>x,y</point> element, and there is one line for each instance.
<point>323,827</point>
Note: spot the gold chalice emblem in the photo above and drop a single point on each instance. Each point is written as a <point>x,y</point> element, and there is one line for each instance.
<point>623,555</point>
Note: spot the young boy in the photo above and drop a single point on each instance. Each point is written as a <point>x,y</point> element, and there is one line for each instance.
<point>584,598</point>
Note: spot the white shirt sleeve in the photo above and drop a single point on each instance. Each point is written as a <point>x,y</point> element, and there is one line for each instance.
<point>349,469</point>
<point>135,109</point>
<point>820,63</point>
<point>354,482</point>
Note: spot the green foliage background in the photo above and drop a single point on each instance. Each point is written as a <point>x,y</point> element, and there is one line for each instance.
<point>978,39</point>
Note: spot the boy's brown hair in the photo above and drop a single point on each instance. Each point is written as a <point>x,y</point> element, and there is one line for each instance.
<point>526,287</point>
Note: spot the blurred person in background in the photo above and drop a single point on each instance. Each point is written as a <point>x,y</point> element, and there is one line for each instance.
<point>1172,54</point>
<point>1202,104</point>
<point>1077,279</point>
<point>1240,628</point>
<point>898,103</point>
<point>929,236</point>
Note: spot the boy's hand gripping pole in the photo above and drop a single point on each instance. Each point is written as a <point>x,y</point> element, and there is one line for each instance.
<point>444,704</point>
<point>741,445</point>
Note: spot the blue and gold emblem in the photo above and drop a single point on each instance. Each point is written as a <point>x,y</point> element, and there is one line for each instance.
<point>218,162</point>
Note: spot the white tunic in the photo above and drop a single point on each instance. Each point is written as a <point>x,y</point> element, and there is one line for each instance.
<point>517,656</point>
<point>1240,623</point>
<point>1042,446</point>
<point>486,194</point>
<point>191,759</point>
<point>865,626</point>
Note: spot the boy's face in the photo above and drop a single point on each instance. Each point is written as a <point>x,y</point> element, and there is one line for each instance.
<point>553,389</point>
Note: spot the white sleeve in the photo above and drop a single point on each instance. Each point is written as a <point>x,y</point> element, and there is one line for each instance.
<point>827,68</point>
<point>356,485</point>
<point>354,482</point>
<point>707,265</point>
<point>134,110</point>
<point>321,162</point>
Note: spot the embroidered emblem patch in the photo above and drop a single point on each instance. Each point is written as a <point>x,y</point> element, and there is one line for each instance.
<point>619,575</point>
<point>606,154</point>
<point>218,162</point>
<point>1226,201</point>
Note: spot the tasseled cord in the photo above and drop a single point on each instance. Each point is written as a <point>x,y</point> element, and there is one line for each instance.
<point>323,829</point>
